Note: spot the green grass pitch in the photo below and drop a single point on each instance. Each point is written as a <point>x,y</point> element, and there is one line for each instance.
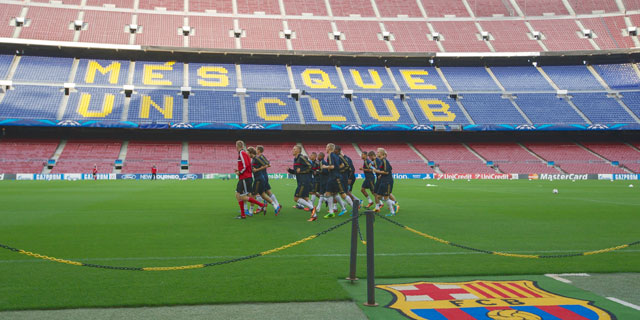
<point>172,223</point>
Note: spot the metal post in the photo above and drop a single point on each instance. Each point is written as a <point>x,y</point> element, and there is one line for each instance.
<point>371,278</point>
<point>354,243</point>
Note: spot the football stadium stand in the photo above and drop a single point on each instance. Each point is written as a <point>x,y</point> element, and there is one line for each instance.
<point>79,156</point>
<point>512,158</point>
<point>25,156</point>
<point>142,155</point>
<point>623,153</point>
<point>335,25</point>
<point>571,158</point>
<point>453,158</point>
<point>295,64</point>
<point>602,94</point>
<point>205,156</point>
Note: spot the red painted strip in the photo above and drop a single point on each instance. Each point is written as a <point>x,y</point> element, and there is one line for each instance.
<point>526,290</point>
<point>562,313</point>
<point>505,288</point>
<point>485,294</point>
<point>494,290</point>
<point>456,314</point>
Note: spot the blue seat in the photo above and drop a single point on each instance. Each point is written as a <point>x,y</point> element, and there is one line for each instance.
<point>96,110</point>
<point>440,109</point>
<point>632,100</point>
<point>547,109</point>
<point>491,109</point>
<point>601,109</point>
<point>466,79</point>
<point>316,78</point>
<point>214,106</point>
<point>43,69</point>
<point>5,63</point>
<point>86,75</point>
<point>275,107</point>
<point>574,78</point>
<point>334,109</point>
<point>31,102</point>
<point>619,76</point>
<point>379,112</point>
<point>521,79</point>
<point>149,113</point>
<point>212,76</point>
<point>367,78</point>
<point>412,79</point>
<point>170,74</point>
<point>260,77</point>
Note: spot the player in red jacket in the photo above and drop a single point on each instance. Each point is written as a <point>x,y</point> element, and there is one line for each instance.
<point>95,172</point>
<point>245,179</point>
<point>154,172</point>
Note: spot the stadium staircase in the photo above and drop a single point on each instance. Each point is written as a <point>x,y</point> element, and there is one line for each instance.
<point>55,156</point>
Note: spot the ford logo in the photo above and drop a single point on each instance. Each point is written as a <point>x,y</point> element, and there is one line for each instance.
<point>128,176</point>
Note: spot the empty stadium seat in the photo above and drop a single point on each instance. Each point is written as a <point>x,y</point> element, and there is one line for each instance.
<point>469,79</point>
<point>156,106</point>
<point>212,157</point>
<point>571,158</point>
<point>572,77</point>
<point>521,79</point>
<point>380,108</point>
<point>326,108</point>
<point>25,156</point>
<point>547,109</point>
<point>274,107</point>
<point>95,104</point>
<point>452,158</point>
<point>142,155</point>
<point>79,156</point>
<point>256,76</point>
<point>511,158</point>
<point>619,76</point>
<point>615,151</point>
<point>491,109</point>
<point>601,109</point>
<point>31,102</point>
<point>43,69</point>
<point>210,106</point>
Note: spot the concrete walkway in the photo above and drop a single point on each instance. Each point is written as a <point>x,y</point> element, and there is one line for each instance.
<point>297,311</point>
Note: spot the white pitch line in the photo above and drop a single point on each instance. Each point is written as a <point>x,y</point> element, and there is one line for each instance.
<point>560,278</point>
<point>624,303</point>
<point>339,255</point>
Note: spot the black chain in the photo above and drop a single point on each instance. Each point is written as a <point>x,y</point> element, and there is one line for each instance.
<point>524,256</point>
<point>177,268</point>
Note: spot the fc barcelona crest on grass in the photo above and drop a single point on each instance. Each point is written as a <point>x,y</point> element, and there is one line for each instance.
<point>487,300</point>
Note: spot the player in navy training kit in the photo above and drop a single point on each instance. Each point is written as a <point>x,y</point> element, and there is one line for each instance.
<point>385,185</point>
<point>369,178</point>
<point>334,183</point>
<point>322,179</point>
<point>302,170</point>
<point>267,187</point>
<point>315,177</point>
<point>259,180</point>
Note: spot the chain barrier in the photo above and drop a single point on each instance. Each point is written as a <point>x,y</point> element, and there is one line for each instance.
<point>505,254</point>
<point>187,267</point>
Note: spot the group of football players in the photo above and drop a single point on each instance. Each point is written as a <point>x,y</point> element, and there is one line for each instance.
<point>327,177</point>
